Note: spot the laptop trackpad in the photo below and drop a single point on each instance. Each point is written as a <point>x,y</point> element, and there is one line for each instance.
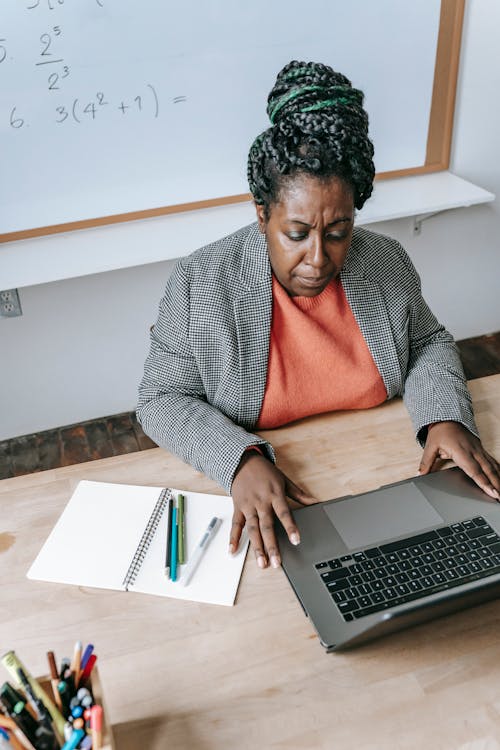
<point>381,515</point>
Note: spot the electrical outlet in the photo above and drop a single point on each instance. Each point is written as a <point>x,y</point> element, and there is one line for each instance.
<point>10,306</point>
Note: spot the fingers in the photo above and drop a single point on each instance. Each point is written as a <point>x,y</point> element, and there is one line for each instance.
<point>253,527</point>
<point>491,468</point>
<point>262,533</point>
<point>429,458</point>
<point>296,493</point>
<point>476,473</point>
<point>237,525</point>
<point>285,517</point>
<point>269,542</point>
<point>483,470</point>
<point>453,440</point>
<point>259,522</point>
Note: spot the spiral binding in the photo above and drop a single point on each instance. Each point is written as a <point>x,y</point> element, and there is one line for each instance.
<point>147,538</point>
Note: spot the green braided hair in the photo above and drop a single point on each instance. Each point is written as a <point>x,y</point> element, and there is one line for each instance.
<point>319,127</point>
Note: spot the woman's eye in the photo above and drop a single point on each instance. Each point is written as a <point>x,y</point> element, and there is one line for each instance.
<point>338,237</point>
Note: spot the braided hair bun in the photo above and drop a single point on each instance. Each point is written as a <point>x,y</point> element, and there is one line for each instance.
<point>319,127</point>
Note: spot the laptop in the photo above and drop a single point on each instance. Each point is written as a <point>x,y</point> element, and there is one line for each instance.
<point>381,561</point>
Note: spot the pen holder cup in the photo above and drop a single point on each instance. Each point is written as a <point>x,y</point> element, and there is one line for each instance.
<point>96,689</point>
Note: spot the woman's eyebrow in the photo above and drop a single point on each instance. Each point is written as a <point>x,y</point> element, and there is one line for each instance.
<point>330,224</point>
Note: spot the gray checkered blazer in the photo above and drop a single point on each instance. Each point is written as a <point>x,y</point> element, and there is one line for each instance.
<point>205,375</point>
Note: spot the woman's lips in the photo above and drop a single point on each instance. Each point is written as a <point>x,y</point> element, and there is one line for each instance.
<point>312,281</point>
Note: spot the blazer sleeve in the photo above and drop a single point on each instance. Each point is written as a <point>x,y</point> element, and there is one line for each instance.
<point>172,406</point>
<point>435,387</point>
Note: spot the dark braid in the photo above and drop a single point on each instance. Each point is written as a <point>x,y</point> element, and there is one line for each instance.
<point>319,127</point>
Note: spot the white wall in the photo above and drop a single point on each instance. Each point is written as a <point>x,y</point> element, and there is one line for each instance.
<point>458,252</point>
<point>77,351</point>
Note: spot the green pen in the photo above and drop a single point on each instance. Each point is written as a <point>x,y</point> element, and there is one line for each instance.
<point>180,530</point>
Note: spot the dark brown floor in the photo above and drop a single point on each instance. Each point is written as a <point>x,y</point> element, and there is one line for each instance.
<point>74,444</point>
<point>480,355</point>
<point>121,433</point>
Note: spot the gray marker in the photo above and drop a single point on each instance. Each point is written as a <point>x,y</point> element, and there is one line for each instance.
<point>194,561</point>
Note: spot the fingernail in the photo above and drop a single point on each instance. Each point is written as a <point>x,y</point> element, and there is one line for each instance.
<point>295,538</point>
<point>495,494</point>
<point>275,561</point>
<point>231,549</point>
<point>419,473</point>
<point>261,561</point>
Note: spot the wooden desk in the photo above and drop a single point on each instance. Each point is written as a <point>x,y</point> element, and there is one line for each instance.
<point>184,675</point>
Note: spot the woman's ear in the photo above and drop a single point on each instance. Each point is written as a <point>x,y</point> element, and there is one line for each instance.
<point>261,217</point>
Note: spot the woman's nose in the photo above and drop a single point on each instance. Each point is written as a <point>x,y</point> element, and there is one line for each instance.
<point>316,255</point>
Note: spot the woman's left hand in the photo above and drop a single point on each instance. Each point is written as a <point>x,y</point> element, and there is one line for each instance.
<point>451,440</point>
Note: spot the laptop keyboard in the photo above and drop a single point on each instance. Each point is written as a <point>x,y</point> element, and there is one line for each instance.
<point>383,577</point>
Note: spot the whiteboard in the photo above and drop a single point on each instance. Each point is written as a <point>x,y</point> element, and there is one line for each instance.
<point>115,106</point>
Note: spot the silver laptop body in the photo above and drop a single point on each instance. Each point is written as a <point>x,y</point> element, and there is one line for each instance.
<point>439,529</point>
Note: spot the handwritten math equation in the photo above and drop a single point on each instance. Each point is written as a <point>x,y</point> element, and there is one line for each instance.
<point>54,74</point>
<point>53,4</point>
<point>79,111</point>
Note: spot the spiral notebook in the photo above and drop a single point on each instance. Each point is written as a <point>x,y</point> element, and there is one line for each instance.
<point>113,536</point>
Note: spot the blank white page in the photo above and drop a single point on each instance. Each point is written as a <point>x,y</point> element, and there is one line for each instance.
<point>94,540</point>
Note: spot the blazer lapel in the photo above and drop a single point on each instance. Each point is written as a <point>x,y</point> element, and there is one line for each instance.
<point>253,313</point>
<point>369,309</point>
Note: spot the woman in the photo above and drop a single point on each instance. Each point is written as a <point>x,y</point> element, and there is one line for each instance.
<point>300,314</point>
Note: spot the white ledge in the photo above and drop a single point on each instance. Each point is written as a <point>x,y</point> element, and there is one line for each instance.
<point>99,249</point>
<point>420,195</point>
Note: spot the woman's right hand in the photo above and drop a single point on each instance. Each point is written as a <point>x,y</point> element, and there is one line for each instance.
<point>259,492</point>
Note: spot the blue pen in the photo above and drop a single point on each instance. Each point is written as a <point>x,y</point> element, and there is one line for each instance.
<point>86,656</point>
<point>173,553</point>
<point>75,739</point>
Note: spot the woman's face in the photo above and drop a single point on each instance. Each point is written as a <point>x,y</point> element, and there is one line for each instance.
<point>308,233</point>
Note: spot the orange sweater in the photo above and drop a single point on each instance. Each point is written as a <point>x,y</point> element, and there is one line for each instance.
<point>318,359</point>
